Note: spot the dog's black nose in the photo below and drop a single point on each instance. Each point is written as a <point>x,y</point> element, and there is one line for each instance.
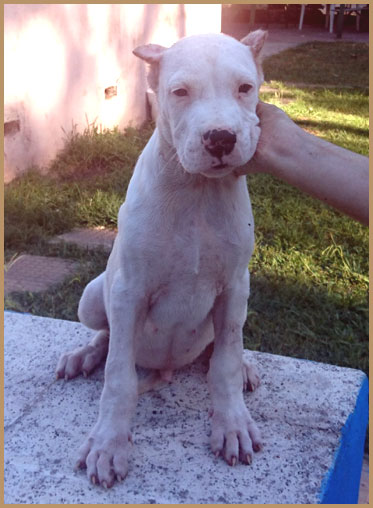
<point>219,142</point>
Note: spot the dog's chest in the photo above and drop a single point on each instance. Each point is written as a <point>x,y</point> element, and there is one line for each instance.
<point>209,244</point>
<point>205,255</point>
<point>215,249</point>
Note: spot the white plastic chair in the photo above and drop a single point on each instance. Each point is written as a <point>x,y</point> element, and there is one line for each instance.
<point>332,12</point>
<point>348,8</point>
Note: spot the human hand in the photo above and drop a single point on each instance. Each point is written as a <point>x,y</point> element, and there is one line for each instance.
<point>278,133</point>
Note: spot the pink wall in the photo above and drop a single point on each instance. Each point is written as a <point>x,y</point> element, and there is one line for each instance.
<point>59,59</point>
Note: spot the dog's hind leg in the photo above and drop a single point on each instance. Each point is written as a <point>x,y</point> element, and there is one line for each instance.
<point>91,313</point>
<point>250,375</point>
<point>85,359</point>
<point>154,380</point>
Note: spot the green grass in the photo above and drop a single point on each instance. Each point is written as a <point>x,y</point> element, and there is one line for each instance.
<point>86,185</point>
<point>88,157</point>
<point>321,63</point>
<point>310,266</point>
<point>309,278</point>
<point>340,116</point>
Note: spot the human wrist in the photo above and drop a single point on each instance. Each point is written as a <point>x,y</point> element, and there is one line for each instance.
<point>284,150</point>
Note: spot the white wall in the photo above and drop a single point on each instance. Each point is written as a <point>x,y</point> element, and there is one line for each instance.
<point>59,59</point>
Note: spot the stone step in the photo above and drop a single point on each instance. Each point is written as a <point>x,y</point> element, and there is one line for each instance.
<point>312,417</point>
<point>40,273</point>
<point>36,273</point>
<point>90,238</point>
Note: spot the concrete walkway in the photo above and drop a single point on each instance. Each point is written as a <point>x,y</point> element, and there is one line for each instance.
<point>312,417</point>
<point>280,39</point>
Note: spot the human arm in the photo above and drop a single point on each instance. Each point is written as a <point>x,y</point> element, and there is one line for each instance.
<point>327,172</point>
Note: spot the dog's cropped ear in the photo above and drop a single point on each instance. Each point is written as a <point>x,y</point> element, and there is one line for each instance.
<point>151,54</point>
<point>255,40</point>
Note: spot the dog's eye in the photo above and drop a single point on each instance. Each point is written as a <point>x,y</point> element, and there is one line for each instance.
<point>245,88</point>
<point>180,92</point>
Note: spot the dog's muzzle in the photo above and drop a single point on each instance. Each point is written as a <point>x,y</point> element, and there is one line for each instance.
<point>219,142</point>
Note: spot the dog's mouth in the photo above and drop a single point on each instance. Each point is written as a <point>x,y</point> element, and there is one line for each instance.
<point>219,166</point>
<point>218,170</point>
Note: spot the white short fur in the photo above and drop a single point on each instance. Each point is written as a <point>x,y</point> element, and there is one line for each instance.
<point>177,277</point>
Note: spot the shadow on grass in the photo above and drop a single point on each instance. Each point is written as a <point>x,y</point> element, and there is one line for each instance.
<point>289,318</point>
<point>323,125</point>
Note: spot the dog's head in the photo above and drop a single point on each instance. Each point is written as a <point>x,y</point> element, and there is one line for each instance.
<point>207,90</point>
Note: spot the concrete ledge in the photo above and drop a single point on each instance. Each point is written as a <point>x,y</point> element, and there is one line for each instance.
<point>312,416</point>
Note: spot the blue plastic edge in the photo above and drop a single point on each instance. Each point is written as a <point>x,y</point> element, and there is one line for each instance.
<point>342,481</point>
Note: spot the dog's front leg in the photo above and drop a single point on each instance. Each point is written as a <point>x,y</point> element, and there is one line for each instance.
<point>234,433</point>
<point>106,449</point>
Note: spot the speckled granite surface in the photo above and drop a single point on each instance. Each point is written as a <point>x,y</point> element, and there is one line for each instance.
<point>300,408</point>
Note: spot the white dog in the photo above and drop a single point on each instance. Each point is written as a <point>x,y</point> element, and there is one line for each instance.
<point>177,277</point>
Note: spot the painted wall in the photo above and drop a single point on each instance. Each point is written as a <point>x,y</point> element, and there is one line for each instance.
<point>60,59</point>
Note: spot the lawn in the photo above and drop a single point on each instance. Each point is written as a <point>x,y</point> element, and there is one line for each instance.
<point>310,266</point>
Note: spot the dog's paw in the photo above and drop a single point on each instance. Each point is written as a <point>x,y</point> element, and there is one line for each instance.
<point>235,435</point>
<point>250,375</point>
<point>80,361</point>
<point>105,458</point>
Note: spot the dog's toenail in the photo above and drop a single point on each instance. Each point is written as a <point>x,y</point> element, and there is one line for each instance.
<point>248,458</point>
<point>78,466</point>
<point>104,484</point>
<point>257,447</point>
<point>233,461</point>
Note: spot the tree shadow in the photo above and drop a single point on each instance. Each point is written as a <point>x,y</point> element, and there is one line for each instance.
<point>322,124</point>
